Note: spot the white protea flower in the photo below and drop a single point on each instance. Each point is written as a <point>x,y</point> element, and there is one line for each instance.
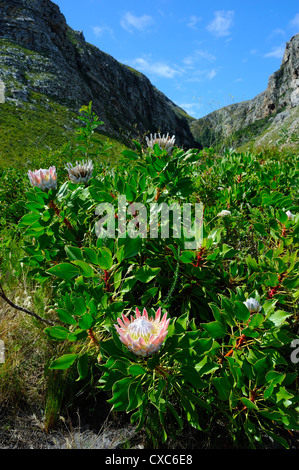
<point>81,173</point>
<point>43,179</point>
<point>164,142</point>
<point>290,215</point>
<point>142,335</point>
<point>253,305</point>
<point>224,213</point>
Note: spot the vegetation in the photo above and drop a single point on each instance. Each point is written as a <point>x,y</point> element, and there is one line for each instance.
<point>222,360</point>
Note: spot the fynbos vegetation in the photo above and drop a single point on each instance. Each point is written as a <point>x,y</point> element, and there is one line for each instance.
<point>181,327</point>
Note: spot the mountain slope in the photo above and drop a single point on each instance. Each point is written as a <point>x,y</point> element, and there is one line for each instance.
<point>262,118</point>
<point>46,64</point>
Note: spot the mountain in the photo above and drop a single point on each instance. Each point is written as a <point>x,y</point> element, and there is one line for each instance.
<point>265,119</point>
<point>47,66</point>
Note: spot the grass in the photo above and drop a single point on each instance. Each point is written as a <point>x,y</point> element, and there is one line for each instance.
<point>32,133</point>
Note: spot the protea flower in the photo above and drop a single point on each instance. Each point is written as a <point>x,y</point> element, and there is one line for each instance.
<point>81,173</point>
<point>253,305</point>
<point>143,336</point>
<point>44,179</point>
<point>164,142</point>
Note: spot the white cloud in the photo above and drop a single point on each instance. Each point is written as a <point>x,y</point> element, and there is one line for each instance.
<point>130,21</point>
<point>193,20</point>
<point>221,24</point>
<point>191,108</point>
<point>102,30</point>
<point>294,23</point>
<point>202,75</point>
<point>211,74</point>
<point>276,53</point>
<point>196,56</point>
<point>277,32</point>
<point>160,69</point>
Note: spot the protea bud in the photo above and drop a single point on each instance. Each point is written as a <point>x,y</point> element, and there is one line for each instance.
<point>224,213</point>
<point>290,215</point>
<point>81,173</point>
<point>164,142</point>
<point>43,179</point>
<point>143,336</point>
<point>253,305</point>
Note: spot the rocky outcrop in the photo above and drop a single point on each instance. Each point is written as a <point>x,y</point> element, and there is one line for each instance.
<point>273,107</point>
<point>41,55</point>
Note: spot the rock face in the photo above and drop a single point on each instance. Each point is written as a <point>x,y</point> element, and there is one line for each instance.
<point>271,108</point>
<point>40,54</point>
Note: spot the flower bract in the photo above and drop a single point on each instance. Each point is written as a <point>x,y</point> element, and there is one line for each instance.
<point>44,179</point>
<point>164,142</point>
<point>142,335</point>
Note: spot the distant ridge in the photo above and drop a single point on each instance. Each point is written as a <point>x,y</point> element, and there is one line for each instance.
<point>262,118</point>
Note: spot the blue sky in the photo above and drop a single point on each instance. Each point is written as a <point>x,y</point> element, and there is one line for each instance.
<point>201,54</point>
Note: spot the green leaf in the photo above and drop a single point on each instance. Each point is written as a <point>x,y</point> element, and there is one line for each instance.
<point>73,253</point>
<point>59,333</point>
<point>105,260</point>
<point>65,317</point>
<point>146,274</point>
<point>279,439</point>
<point>241,311</point>
<point>29,219</point>
<point>153,361</point>
<point>82,366</point>
<point>259,228</point>
<point>284,395</point>
<point>215,329</point>
<point>249,404</point>
<point>132,246</point>
<point>223,386</point>
<point>64,270</point>
<point>256,320</point>
<point>136,369</point>
<point>120,399</point>
<point>86,321</point>
<point>192,376</point>
<point>130,154</point>
<point>135,396</point>
<point>187,257</point>
<point>279,317</point>
<point>275,377</point>
<point>64,362</point>
<point>90,255</point>
<point>85,268</point>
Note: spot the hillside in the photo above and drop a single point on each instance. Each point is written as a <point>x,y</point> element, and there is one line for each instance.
<point>48,71</point>
<point>265,117</point>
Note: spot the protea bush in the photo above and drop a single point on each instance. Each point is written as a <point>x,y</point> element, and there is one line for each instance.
<point>211,337</point>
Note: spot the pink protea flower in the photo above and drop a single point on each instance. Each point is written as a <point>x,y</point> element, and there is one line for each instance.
<point>143,336</point>
<point>43,179</point>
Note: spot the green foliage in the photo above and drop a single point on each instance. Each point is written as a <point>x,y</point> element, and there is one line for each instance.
<point>219,360</point>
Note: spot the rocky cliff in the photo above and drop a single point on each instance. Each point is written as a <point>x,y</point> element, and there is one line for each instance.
<point>263,117</point>
<point>42,58</point>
